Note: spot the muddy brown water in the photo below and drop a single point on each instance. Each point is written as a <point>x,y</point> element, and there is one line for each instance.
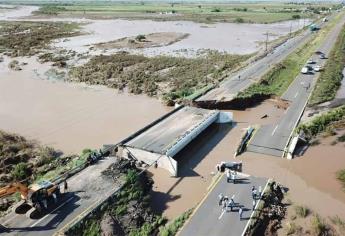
<point>69,117</point>
<point>311,179</point>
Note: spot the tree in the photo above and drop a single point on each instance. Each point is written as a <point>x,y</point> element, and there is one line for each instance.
<point>140,37</point>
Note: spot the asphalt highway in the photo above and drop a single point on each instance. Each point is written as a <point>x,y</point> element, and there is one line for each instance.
<point>210,219</point>
<point>230,87</point>
<point>85,189</point>
<point>272,139</point>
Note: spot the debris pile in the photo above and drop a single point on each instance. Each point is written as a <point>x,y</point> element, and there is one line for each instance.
<point>128,211</point>
<point>271,214</point>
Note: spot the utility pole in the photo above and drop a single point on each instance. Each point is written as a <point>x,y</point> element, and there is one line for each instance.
<point>290,28</point>
<point>266,41</point>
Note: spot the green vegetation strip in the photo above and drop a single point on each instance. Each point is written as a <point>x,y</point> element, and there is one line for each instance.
<point>172,228</point>
<point>330,79</point>
<point>277,80</point>
<point>171,78</point>
<point>321,122</point>
<point>199,12</point>
<point>341,177</point>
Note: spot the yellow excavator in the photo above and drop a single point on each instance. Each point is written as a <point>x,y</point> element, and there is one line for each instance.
<point>34,199</point>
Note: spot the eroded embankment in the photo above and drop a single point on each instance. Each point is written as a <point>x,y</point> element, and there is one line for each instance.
<point>127,212</point>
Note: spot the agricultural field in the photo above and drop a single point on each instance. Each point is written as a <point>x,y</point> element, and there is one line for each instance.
<point>198,12</point>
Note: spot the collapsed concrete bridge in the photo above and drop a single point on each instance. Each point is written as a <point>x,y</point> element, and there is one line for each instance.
<point>160,141</point>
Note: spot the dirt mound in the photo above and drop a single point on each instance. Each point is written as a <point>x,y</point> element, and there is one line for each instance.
<point>145,41</point>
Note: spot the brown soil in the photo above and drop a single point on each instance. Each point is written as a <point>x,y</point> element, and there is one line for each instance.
<point>151,40</point>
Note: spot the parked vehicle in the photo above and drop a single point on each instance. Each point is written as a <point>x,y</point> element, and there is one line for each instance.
<point>323,56</point>
<point>317,68</point>
<point>310,61</point>
<point>305,70</point>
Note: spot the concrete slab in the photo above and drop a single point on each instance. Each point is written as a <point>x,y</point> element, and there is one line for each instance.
<point>162,136</point>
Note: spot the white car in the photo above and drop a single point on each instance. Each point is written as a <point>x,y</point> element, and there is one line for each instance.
<point>317,68</point>
<point>305,70</point>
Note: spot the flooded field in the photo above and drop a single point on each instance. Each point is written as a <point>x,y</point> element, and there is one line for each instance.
<point>225,37</point>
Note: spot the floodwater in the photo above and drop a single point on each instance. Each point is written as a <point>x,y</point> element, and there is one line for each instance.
<point>311,178</point>
<point>198,160</point>
<point>10,12</point>
<point>69,117</point>
<point>224,37</point>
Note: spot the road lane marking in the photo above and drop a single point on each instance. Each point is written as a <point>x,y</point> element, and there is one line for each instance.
<point>40,220</point>
<point>274,130</point>
<point>296,94</point>
<point>10,219</point>
<point>257,204</point>
<point>221,215</point>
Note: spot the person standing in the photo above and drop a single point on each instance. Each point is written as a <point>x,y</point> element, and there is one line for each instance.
<point>228,176</point>
<point>253,192</point>
<point>254,204</point>
<point>231,203</point>
<point>240,212</point>
<point>221,198</point>
<point>65,186</point>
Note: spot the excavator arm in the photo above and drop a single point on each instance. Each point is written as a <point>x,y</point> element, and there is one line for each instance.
<point>13,188</point>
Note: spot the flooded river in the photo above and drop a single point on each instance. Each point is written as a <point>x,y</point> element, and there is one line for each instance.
<point>69,117</point>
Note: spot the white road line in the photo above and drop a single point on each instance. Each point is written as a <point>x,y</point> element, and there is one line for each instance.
<point>251,216</point>
<point>221,215</point>
<point>40,220</point>
<point>274,130</point>
<point>296,94</point>
<point>10,219</point>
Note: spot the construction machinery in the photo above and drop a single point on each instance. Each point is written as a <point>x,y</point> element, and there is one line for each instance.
<point>35,199</point>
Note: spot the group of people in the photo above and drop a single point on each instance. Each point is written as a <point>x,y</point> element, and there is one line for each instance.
<point>227,203</point>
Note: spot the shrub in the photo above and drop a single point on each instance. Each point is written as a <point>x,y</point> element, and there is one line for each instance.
<point>295,17</point>
<point>239,20</point>
<point>341,138</point>
<point>318,225</point>
<point>302,211</point>
<point>341,176</point>
<point>292,228</point>
<point>21,171</point>
<point>216,10</point>
<point>140,37</point>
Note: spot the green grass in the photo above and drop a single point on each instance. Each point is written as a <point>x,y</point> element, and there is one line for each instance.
<point>277,80</point>
<point>330,79</point>
<point>302,211</point>
<point>319,226</point>
<point>320,123</point>
<point>172,228</point>
<point>200,12</point>
<point>338,222</point>
<point>341,176</point>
